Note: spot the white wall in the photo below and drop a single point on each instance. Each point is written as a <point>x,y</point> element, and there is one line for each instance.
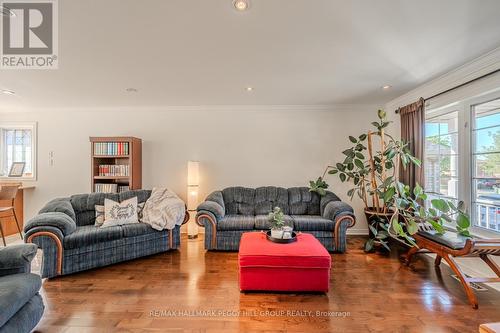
<point>249,146</point>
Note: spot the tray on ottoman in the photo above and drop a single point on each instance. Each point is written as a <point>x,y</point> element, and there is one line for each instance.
<point>303,265</point>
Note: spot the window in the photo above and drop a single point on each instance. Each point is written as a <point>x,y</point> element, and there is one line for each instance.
<point>462,161</point>
<point>486,165</point>
<point>18,144</point>
<point>441,155</point>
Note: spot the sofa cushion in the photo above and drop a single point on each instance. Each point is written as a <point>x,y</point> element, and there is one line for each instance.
<point>262,222</point>
<point>236,222</point>
<point>239,200</point>
<point>89,234</point>
<point>142,195</point>
<point>303,202</point>
<point>137,229</point>
<point>266,198</point>
<point>15,291</point>
<point>312,223</point>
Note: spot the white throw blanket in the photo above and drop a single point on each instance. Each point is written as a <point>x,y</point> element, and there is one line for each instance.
<point>163,210</point>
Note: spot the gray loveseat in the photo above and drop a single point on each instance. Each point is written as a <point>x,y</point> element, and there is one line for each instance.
<point>21,306</point>
<point>64,229</point>
<point>227,214</point>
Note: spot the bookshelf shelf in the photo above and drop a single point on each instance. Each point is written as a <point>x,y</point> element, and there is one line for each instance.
<point>111,177</point>
<point>111,156</point>
<point>116,164</point>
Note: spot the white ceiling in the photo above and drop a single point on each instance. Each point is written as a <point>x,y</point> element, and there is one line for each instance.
<point>293,52</point>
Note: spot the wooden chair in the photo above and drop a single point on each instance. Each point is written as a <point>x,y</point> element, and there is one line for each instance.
<point>451,245</point>
<point>8,193</point>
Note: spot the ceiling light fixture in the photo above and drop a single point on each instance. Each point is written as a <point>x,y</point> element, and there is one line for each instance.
<point>5,11</point>
<point>7,92</point>
<point>386,87</point>
<point>241,5</point>
<point>249,89</point>
<point>131,90</point>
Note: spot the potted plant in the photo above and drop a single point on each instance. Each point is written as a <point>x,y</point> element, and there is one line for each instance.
<point>391,208</point>
<point>277,219</point>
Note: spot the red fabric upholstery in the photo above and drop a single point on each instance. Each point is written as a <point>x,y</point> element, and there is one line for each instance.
<point>300,266</point>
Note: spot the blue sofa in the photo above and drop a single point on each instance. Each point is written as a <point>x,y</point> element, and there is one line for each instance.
<point>227,214</point>
<point>21,306</point>
<point>64,229</point>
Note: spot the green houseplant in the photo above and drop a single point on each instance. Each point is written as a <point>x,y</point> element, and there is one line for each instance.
<point>277,219</point>
<point>391,208</point>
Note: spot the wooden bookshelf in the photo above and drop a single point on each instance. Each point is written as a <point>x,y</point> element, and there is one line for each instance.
<point>122,152</point>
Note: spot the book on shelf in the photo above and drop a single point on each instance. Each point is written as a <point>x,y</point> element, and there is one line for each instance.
<point>106,188</point>
<point>111,148</point>
<point>111,188</point>
<point>114,170</point>
<point>123,188</point>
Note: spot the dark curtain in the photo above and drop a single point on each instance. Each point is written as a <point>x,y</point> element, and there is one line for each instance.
<point>412,131</point>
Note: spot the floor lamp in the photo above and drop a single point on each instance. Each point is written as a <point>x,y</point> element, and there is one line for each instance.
<point>193,184</point>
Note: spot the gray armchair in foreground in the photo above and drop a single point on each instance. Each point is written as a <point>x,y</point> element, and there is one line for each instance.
<point>227,214</point>
<point>21,306</point>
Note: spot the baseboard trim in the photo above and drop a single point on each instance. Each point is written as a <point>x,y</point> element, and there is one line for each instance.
<point>357,232</point>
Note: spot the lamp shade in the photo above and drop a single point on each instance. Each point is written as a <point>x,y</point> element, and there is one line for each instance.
<point>193,173</point>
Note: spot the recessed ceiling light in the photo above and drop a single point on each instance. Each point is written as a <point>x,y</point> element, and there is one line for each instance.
<point>249,88</point>
<point>386,87</point>
<point>131,90</point>
<point>7,92</point>
<point>241,5</point>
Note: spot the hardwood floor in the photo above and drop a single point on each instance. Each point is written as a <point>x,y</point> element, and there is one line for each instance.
<point>369,293</point>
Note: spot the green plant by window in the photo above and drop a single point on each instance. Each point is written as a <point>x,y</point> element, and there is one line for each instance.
<point>374,175</point>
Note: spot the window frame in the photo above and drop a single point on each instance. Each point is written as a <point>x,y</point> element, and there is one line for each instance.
<point>468,109</point>
<point>25,125</point>
<point>436,113</point>
<point>466,152</point>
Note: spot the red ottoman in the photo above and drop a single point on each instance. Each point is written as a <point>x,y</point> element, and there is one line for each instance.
<point>303,265</point>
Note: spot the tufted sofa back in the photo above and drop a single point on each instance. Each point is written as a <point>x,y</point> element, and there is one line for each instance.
<point>294,201</point>
<point>84,204</point>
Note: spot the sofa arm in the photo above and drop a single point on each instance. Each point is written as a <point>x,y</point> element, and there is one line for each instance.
<point>335,209</point>
<point>57,220</point>
<point>62,205</point>
<point>206,219</point>
<point>212,207</point>
<point>50,240</point>
<point>16,259</point>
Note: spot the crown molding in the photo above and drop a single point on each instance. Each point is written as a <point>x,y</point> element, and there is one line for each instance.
<point>469,71</point>
<point>198,108</point>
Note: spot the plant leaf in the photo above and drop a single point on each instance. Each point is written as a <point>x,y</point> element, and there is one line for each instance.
<point>342,177</point>
<point>463,221</point>
<point>369,245</point>
<point>441,205</point>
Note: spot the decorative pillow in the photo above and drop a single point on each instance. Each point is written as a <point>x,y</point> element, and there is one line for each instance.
<point>99,213</point>
<point>120,213</point>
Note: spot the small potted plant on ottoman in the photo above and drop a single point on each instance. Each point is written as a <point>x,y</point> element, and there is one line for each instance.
<point>277,219</point>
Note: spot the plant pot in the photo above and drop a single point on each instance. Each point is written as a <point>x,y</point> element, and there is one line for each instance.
<point>277,233</point>
<point>373,216</point>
